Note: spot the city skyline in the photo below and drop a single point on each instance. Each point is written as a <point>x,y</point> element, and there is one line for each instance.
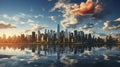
<point>58,37</point>
<point>20,16</point>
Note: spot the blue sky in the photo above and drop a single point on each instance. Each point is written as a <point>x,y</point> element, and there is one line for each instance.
<point>24,16</point>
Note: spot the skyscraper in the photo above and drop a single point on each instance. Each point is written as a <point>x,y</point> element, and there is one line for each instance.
<point>33,37</point>
<point>39,36</point>
<point>66,33</point>
<point>75,33</point>
<point>58,31</point>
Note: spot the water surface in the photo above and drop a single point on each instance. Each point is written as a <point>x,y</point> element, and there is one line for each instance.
<point>59,56</point>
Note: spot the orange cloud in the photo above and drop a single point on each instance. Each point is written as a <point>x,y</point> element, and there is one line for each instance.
<point>85,8</point>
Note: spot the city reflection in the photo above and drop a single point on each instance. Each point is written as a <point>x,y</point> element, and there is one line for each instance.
<point>49,50</point>
<point>63,55</point>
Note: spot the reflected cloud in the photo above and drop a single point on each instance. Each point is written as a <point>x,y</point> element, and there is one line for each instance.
<point>68,60</point>
<point>47,56</point>
<point>105,57</point>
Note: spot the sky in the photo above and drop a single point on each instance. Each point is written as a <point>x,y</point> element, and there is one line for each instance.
<point>98,17</point>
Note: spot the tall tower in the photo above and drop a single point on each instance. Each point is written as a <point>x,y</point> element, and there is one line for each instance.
<point>39,36</point>
<point>58,31</point>
<point>66,33</point>
<point>33,37</point>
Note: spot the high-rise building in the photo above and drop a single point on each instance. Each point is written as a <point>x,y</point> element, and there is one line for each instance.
<point>75,33</point>
<point>45,31</point>
<point>33,37</point>
<point>81,33</point>
<point>66,33</point>
<point>58,31</point>
<point>38,37</point>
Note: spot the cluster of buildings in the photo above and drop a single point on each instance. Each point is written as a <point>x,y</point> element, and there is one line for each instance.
<point>50,36</point>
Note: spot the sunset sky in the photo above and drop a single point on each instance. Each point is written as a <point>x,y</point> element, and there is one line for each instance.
<point>99,17</point>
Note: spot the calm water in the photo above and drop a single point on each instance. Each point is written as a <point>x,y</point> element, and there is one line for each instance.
<point>59,56</point>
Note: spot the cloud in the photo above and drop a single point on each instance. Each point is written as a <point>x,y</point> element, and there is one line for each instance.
<point>117,19</point>
<point>16,17</point>
<point>35,27</point>
<point>49,0</point>
<point>69,20</point>
<point>61,4</point>
<point>38,27</point>
<point>86,8</point>
<point>37,16</point>
<point>30,21</point>
<point>31,9</point>
<point>100,34</point>
<point>26,31</point>
<point>95,10</point>
<point>4,25</point>
<point>74,14</point>
<point>22,23</point>
<point>87,31</point>
<point>6,16</point>
<point>88,26</point>
<point>53,18</point>
<point>111,25</point>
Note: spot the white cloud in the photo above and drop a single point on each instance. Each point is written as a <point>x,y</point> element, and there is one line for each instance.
<point>87,31</point>
<point>4,25</point>
<point>35,27</point>
<point>22,22</point>
<point>88,26</point>
<point>6,16</point>
<point>38,27</point>
<point>26,31</point>
<point>69,20</point>
<point>16,17</point>
<point>49,0</point>
<point>117,19</point>
<point>30,21</point>
<point>53,18</point>
<point>37,16</point>
<point>111,25</point>
<point>99,34</point>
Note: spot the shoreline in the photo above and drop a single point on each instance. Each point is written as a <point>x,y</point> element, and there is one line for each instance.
<point>59,43</point>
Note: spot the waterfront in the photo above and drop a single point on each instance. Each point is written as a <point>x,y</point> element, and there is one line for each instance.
<point>59,56</point>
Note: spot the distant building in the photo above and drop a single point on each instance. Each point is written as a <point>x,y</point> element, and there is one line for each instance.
<point>70,38</point>
<point>66,33</point>
<point>75,35</point>
<point>39,37</point>
<point>118,38</point>
<point>33,37</point>
<point>58,31</point>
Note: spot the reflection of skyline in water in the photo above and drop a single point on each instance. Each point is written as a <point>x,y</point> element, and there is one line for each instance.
<point>50,49</point>
<point>60,56</point>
